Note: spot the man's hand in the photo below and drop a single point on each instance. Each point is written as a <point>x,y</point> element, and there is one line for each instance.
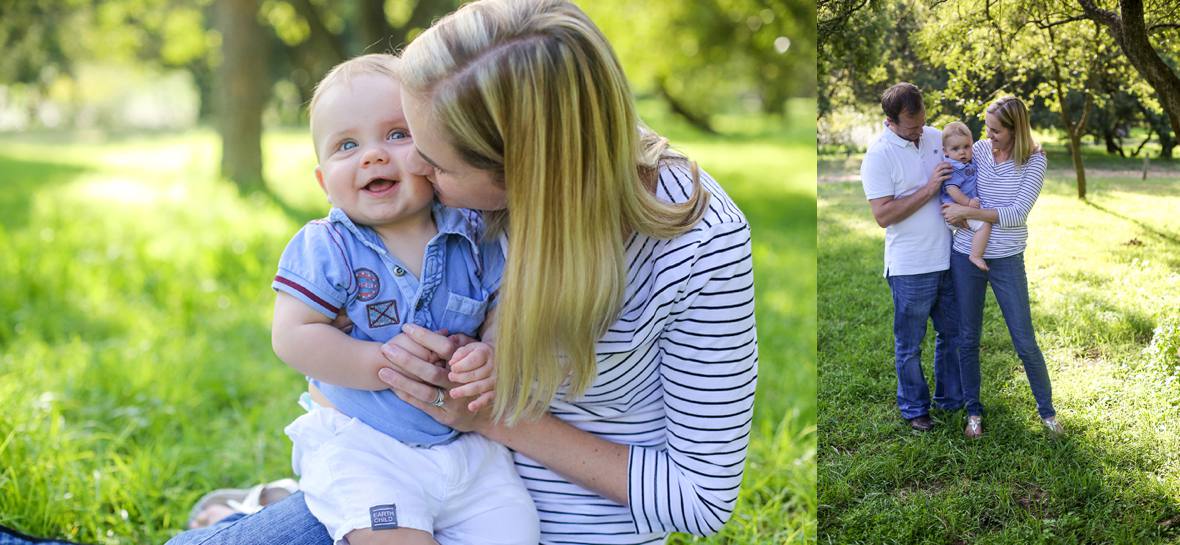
<point>973,203</point>
<point>941,173</point>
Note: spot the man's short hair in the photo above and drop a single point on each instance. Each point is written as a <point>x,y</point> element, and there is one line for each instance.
<point>903,97</point>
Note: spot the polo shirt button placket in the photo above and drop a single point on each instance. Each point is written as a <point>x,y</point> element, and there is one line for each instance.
<point>398,271</point>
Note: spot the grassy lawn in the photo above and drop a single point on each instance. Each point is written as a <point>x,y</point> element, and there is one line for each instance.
<point>1102,274</point>
<point>135,363</point>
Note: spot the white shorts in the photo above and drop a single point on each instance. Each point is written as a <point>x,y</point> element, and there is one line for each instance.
<point>355,477</point>
<point>973,225</point>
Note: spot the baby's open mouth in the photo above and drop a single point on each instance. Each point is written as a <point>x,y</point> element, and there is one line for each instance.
<point>380,185</point>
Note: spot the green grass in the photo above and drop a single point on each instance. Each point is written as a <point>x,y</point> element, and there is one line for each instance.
<point>1102,273</point>
<point>135,363</point>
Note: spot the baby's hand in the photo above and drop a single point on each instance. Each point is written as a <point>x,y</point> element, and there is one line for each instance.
<point>973,203</point>
<point>473,366</point>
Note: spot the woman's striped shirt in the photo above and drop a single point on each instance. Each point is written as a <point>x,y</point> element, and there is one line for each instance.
<point>1012,191</point>
<point>676,376</point>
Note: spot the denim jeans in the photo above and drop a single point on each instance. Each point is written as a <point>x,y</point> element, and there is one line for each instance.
<point>1010,286</point>
<point>916,299</point>
<point>287,522</point>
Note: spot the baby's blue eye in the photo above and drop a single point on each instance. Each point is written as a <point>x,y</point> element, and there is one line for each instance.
<point>398,134</point>
<point>346,145</point>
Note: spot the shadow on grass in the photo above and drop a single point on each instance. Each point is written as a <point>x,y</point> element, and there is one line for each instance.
<point>1163,235</point>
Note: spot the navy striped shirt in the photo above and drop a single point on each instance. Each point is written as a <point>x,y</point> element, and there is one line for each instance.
<point>676,376</point>
<point>1012,191</point>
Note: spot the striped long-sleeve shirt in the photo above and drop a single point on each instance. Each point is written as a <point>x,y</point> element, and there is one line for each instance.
<point>676,376</point>
<point>1012,191</point>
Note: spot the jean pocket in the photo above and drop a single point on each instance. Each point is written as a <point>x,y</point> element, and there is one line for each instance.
<point>464,314</point>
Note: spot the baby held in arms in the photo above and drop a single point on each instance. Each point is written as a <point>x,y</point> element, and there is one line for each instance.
<point>960,187</point>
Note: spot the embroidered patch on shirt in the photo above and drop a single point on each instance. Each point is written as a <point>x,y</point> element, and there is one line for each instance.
<point>368,285</point>
<point>382,313</point>
<point>383,517</point>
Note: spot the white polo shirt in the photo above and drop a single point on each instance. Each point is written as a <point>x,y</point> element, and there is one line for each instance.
<point>895,167</point>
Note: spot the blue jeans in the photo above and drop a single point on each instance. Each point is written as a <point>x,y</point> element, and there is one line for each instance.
<point>1010,286</point>
<point>287,522</point>
<point>917,298</point>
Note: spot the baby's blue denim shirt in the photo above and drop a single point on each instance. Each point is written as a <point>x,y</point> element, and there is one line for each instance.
<point>963,176</point>
<point>333,264</point>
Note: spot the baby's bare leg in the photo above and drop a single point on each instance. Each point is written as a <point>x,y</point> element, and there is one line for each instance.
<point>400,536</point>
<point>979,244</point>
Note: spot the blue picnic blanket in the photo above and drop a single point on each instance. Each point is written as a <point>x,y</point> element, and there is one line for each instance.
<point>8,536</point>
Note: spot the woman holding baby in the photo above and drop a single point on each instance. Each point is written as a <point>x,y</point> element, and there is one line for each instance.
<point>1011,171</point>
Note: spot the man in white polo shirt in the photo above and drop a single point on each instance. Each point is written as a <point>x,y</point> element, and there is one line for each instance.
<point>902,173</point>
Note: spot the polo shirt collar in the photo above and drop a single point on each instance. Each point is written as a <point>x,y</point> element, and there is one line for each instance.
<point>898,141</point>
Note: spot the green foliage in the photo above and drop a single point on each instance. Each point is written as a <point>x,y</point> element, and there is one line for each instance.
<point>1164,351</point>
<point>135,364</point>
<point>715,55</point>
<point>965,53</point>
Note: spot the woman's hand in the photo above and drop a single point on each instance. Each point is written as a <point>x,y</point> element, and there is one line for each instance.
<point>957,214</point>
<point>416,377</point>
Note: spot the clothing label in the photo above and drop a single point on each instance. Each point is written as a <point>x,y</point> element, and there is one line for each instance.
<point>383,517</point>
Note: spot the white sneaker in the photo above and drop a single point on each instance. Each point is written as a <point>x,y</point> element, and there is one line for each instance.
<point>1052,425</point>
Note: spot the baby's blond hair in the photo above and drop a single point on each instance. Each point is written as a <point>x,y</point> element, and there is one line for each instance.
<point>956,128</point>
<point>381,64</point>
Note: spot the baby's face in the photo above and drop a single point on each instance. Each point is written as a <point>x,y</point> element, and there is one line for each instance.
<point>958,148</point>
<point>363,142</point>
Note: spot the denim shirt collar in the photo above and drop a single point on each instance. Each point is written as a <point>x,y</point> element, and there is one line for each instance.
<point>448,221</point>
<point>956,165</point>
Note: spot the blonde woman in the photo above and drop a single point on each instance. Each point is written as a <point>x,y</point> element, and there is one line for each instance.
<point>1011,171</point>
<point>626,354</point>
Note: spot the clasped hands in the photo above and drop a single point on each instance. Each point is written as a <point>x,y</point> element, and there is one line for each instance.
<point>421,362</point>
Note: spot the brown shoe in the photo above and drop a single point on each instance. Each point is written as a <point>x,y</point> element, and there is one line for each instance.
<point>974,427</point>
<point>922,423</point>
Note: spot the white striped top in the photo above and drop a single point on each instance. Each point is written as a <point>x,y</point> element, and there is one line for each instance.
<point>676,376</point>
<point>1012,191</point>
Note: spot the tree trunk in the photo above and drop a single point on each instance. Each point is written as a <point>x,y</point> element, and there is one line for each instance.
<point>678,108</point>
<point>1114,144</point>
<point>243,92</point>
<point>1075,147</point>
<point>1075,129</point>
<point>1130,32</point>
<point>372,27</point>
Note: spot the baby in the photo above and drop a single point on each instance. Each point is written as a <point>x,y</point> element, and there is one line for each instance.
<point>373,468</point>
<point>960,187</point>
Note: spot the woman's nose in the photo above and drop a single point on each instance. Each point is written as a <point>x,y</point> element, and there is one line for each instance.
<point>417,166</point>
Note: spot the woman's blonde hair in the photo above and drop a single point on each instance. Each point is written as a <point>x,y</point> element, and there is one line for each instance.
<point>1013,115</point>
<point>531,91</point>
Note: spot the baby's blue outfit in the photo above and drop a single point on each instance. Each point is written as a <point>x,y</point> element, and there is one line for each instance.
<point>962,175</point>
<point>333,264</point>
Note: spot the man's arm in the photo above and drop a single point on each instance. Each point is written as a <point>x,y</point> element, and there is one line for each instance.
<point>890,209</point>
